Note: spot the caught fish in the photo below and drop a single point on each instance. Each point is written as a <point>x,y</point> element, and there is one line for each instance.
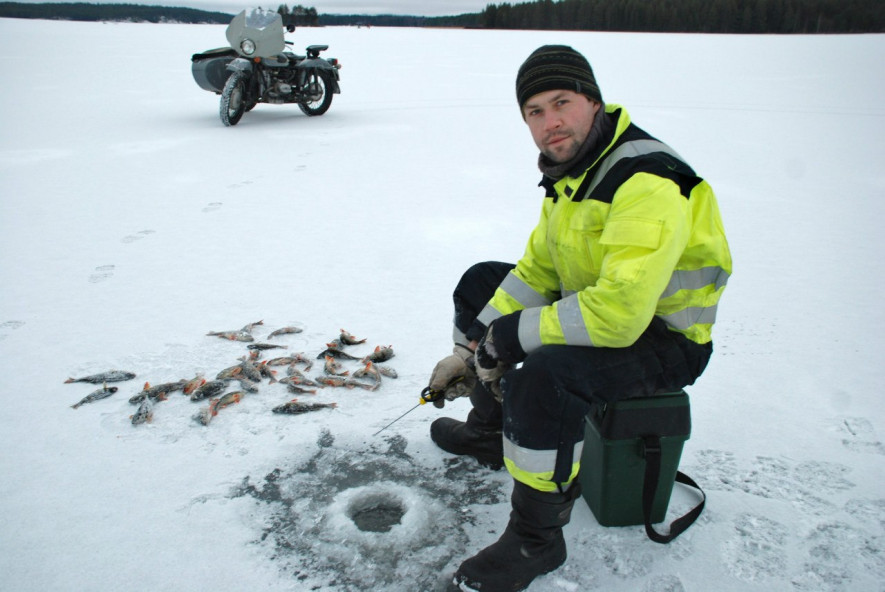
<point>250,371</point>
<point>330,380</point>
<point>193,384</point>
<point>102,393</point>
<point>266,346</point>
<point>244,336</point>
<point>293,407</point>
<point>280,361</point>
<point>251,326</point>
<point>144,413</point>
<point>345,382</point>
<point>110,376</point>
<point>387,371</point>
<point>292,370</point>
<point>230,373</point>
<point>381,354</point>
<point>226,400</point>
<point>285,331</point>
<point>248,385</point>
<point>348,339</point>
<point>334,368</point>
<point>204,416</point>
<point>208,390</point>
<point>350,383</point>
<point>336,353</point>
<point>298,358</point>
<point>298,378</point>
<point>157,393</point>
<point>370,371</point>
<point>266,372</point>
<point>297,388</point>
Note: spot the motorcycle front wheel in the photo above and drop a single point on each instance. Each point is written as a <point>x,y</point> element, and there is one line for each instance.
<point>319,93</point>
<point>233,99</point>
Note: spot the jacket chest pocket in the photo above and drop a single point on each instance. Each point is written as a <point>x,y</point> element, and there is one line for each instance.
<point>579,250</point>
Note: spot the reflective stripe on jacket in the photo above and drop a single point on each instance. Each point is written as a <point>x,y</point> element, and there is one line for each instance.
<point>637,234</point>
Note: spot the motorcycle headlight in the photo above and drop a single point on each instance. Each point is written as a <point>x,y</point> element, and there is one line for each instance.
<point>248,46</point>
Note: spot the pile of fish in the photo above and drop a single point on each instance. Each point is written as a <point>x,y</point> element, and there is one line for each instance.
<point>366,372</point>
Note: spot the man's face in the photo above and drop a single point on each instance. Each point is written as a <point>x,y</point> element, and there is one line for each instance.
<point>560,121</point>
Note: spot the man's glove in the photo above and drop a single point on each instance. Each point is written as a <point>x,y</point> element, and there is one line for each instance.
<point>498,351</point>
<point>458,365</point>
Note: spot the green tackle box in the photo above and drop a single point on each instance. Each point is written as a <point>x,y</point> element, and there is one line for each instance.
<point>613,460</point>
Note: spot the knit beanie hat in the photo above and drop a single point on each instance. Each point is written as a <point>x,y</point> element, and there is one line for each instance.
<point>554,67</point>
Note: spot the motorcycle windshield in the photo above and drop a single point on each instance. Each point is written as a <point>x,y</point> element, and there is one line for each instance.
<point>262,28</point>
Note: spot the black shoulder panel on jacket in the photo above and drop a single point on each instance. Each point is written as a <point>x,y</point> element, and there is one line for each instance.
<point>661,164</point>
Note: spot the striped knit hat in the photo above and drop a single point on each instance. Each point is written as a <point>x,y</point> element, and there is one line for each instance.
<point>554,67</point>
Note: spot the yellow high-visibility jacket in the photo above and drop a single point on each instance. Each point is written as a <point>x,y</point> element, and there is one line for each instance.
<point>638,234</point>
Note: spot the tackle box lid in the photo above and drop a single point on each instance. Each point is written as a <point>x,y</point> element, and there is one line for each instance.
<point>663,414</point>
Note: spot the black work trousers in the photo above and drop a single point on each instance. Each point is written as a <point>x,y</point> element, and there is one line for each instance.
<point>548,395</point>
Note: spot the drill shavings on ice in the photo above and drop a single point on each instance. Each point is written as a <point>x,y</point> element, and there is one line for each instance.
<point>251,371</point>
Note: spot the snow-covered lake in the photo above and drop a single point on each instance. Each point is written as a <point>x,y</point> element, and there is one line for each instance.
<point>132,223</point>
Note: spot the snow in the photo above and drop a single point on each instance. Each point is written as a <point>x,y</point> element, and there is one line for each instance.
<point>132,223</point>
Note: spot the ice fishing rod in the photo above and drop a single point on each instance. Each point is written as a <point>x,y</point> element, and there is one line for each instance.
<point>428,395</point>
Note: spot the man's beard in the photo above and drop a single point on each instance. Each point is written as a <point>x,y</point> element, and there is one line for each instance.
<point>559,156</point>
<point>558,166</point>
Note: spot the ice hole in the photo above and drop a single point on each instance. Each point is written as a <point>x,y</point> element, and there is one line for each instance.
<point>376,512</point>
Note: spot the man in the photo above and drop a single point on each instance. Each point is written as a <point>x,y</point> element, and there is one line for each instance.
<point>615,297</point>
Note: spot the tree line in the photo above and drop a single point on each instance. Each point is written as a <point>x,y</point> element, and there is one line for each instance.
<point>676,16</point>
<point>82,11</point>
<point>691,16</point>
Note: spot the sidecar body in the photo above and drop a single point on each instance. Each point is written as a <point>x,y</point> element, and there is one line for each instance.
<point>210,68</point>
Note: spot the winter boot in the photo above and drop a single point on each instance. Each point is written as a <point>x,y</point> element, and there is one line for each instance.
<point>480,436</point>
<point>532,543</point>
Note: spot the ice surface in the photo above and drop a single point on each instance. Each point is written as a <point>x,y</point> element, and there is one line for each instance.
<point>132,222</point>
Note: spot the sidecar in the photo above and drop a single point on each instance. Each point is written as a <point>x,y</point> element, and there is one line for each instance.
<point>252,33</point>
<point>210,68</point>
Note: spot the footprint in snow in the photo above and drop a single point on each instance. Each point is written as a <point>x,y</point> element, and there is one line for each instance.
<point>239,185</point>
<point>838,555</point>
<point>668,583</point>
<point>212,207</point>
<point>137,236</point>
<point>757,550</point>
<point>867,511</point>
<point>8,326</point>
<point>859,435</point>
<point>102,273</point>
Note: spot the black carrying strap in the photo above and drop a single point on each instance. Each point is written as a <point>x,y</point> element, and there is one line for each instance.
<point>650,488</point>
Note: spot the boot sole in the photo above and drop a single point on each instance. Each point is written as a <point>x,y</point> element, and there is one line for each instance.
<point>459,581</point>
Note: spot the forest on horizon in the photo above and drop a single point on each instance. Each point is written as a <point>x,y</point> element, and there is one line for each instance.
<point>660,16</point>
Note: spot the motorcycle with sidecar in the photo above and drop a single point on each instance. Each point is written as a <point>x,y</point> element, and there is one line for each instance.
<point>257,68</point>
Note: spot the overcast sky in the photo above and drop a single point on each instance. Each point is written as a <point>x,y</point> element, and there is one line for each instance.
<point>409,7</point>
